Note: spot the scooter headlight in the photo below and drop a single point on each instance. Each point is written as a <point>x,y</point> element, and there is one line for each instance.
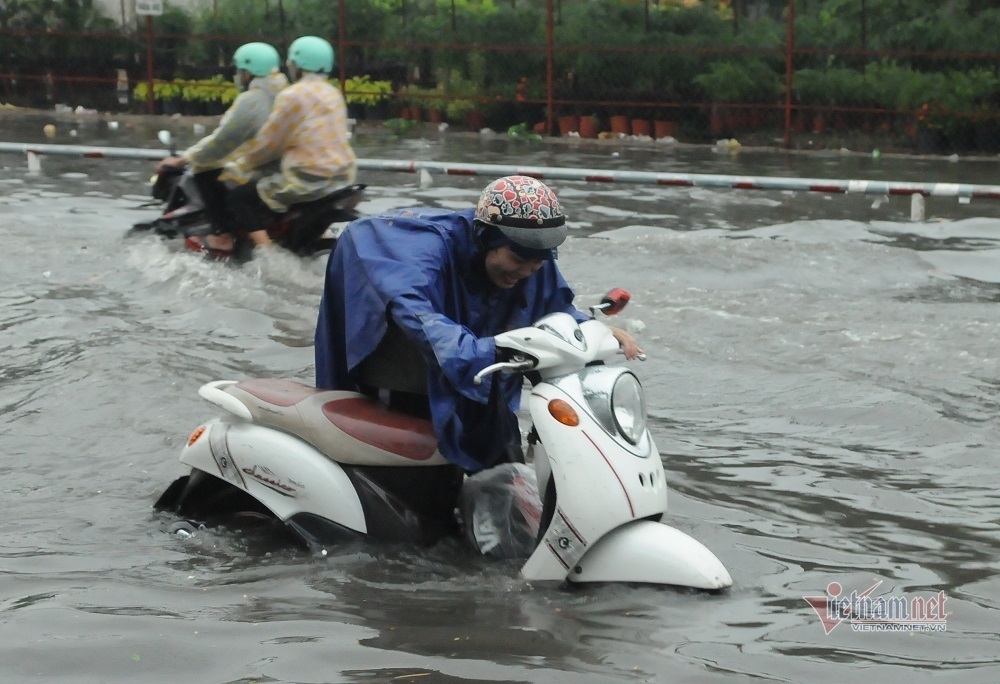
<point>628,406</point>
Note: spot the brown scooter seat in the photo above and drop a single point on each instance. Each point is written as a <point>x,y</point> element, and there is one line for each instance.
<point>348,427</point>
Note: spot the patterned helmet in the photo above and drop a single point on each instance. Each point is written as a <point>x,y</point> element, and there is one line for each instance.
<point>257,58</point>
<point>311,53</point>
<point>525,210</point>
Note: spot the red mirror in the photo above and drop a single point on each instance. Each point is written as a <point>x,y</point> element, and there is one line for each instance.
<point>614,301</point>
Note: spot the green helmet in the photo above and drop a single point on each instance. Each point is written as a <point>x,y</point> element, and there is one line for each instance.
<point>257,58</point>
<point>311,53</point>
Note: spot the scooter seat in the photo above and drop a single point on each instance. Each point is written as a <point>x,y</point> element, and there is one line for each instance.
<point>283,393</point>
<point>376,434</point>
<point>374,423</point>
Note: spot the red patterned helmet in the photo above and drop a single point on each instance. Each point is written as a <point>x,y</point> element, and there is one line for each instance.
<point>525,210</point>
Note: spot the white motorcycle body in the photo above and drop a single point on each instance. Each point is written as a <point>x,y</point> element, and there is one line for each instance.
<point>298,451</point>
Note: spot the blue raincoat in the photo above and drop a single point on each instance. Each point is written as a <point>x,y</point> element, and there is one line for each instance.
<point>422,267</point>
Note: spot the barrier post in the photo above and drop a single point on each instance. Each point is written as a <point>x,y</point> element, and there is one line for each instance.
<point>341,40</point>
<point>789,51</point>
<point>150,102</point>
<point>550,65</point>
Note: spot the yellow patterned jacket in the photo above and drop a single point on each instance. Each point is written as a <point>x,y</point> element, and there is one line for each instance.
<point>307,131</point>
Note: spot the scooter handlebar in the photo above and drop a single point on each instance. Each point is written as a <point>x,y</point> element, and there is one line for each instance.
<point>517,364</point>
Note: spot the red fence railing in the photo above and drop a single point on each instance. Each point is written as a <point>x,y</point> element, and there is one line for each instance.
<point>652,68</point>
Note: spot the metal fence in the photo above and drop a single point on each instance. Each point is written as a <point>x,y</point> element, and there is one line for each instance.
<point>801,74</point>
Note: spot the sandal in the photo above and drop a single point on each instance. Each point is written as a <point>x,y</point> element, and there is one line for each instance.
<point>197,244</point>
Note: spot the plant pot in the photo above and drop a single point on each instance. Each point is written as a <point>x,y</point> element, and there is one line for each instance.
<point>170,105</point>
<point>404,113</point>
<point>589,127</point>
<point>474,120</point>
<point>717,123</point>
<point>642,128</point>
<point>619,125</point>
<point>819,124</point>
<point>664,129</point>
<point>931,141</point>
<point>988,137</point>
<point>416,113</point>
<point>434,115</point>
<point>569,124</point>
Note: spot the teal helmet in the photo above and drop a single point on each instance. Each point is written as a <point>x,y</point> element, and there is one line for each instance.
<point>311,53</point>
<point>257,58</point>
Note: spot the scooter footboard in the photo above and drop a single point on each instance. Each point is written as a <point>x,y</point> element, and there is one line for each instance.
<point>651,553</point>
<point>282,472</point>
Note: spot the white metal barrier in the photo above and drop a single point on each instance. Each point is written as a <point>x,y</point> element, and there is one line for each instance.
<point>964,192</point>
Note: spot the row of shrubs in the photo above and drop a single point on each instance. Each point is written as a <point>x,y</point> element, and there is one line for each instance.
<point>364,95</point>
<point>203,96</point>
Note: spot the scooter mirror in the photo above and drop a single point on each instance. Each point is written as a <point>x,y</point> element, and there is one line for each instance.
<point>614,301</point>
<point>165,138</point>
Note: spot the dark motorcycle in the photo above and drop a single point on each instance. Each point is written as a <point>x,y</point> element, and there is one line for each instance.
<point>303,229</point>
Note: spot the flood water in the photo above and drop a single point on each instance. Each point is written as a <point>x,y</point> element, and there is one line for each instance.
<point>822,382</point>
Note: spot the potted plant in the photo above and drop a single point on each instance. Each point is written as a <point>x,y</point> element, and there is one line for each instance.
<point>140,93</point>
<point>221,94</point>
<point>522,132</point>
<point>223,98</point>
<point>642,128</point>
<point>967,92</point>
<point>884,81</point>
<point>194,98</point>
<point>458,110</point>
<point>590,126</point>
<point>620,125</point>
<point>845,90</point>
<point>931,118</point>
<point>460,98</point>
<point>810,93</point>
<point>364,96</point>
<point>663,128</point>
<point>414,99</point>
<point>437,102</point>
<point>568,123</point>
<point>168,95</point>
<point>929,97</point>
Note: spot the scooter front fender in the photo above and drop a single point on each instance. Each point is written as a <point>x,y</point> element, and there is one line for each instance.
<point>651,553</point>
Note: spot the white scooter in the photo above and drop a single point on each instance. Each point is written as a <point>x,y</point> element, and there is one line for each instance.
<point>328,463</point>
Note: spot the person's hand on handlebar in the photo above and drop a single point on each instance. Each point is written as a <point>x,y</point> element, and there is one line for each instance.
<point>630,347</point>
<point>171,163</point>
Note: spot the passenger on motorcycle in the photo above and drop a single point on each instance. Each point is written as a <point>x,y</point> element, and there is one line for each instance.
<point>306,133</point>
<point>259,79</point>
<point>413,299</point>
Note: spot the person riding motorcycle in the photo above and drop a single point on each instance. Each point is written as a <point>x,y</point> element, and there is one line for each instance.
<point>259,79</point>
<point>307,132</point>
<point>413,298</point>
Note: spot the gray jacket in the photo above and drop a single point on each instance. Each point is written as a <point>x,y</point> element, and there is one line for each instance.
<point>238,126</point>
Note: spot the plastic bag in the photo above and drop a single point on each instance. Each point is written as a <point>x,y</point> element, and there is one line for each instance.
<point>501,510</point>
